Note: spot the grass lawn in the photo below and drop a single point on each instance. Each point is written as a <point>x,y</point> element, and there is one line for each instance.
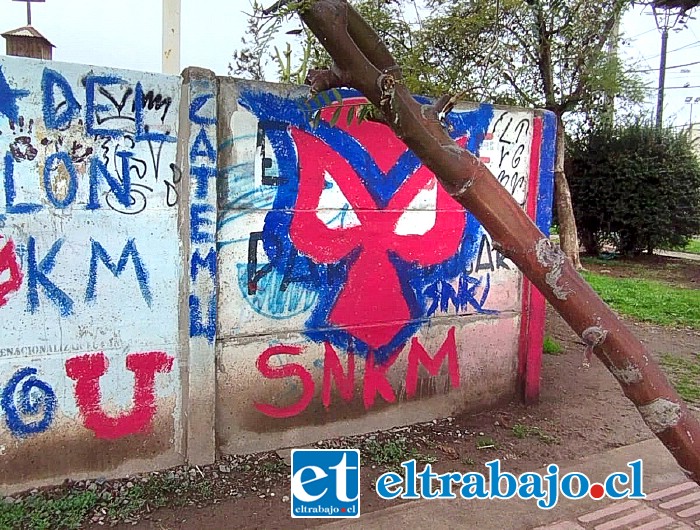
<point>648,300</point>
<point>693,247</point>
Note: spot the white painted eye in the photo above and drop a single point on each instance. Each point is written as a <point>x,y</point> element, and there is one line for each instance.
<point>333,206</point>
<point>420,214</point>
<point>5,273</point>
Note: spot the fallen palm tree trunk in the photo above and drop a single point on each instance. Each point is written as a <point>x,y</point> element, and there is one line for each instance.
<point>363,62</point>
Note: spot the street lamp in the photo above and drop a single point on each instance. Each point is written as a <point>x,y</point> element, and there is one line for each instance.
<point>691,101</point>
<point>668,14</point>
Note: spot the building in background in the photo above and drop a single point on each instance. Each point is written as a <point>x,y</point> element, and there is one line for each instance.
<point>28,42</point>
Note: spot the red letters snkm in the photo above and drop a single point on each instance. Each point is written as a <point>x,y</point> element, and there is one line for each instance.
<point>375,379</point>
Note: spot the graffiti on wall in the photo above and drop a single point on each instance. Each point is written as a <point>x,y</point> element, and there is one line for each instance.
<point>203,171</point>
<point>29,403</point>
<point>105,152</point>
<point>87,370</point>
<point>10,272</point>
<point>89,246</point>
<point>360,240</point>
<point>362,224</point>
<point>82,148</point>
<point>374,377</point>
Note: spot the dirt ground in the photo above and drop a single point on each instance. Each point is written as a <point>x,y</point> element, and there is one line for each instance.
<point>581,412</point>
<point>681,272</point>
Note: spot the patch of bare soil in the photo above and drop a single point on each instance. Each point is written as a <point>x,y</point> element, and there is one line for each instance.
<point>582,411</point>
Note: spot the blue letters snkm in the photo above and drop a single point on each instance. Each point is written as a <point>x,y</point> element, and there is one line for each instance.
<point>325,483</point>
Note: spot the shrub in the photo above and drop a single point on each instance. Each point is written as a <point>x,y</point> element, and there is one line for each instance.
<point>635,186</point>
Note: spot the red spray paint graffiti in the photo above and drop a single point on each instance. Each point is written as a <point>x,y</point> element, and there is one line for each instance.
<point>419,356</point>
<point>373,282</point>
<point>288,370</point>
<point>375,381</point>
<point>9,263</point>
<point>86,371</point>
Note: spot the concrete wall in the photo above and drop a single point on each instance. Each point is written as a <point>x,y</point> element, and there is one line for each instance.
<point>354,293</point>
<point>90,272</point>
<point>191,265</point>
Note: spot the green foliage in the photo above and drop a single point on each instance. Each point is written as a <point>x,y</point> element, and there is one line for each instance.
<point>545,53</point>
<point>647,300</point>
<point>635,186</point>
<point>301,49</point>
<point>41,513</point>
<point>288,73</point>
<point>524,431</point>
<point>692,247</point>
<point>550,346</point>
<point>248,61</point>
<point>391,453</point>
<point>71,510</point>
<point>486,442</point>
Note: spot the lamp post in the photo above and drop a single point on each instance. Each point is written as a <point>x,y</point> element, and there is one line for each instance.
<point>668,14</point>
<point>691,101</point>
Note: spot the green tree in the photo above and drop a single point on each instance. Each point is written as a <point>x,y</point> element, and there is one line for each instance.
<point>550,54</point>
<point>636,186</point>
<point>250,59</point>
<point>303,52</point>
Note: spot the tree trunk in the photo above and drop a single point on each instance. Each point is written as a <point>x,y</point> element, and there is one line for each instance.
<point>363,62</point>
<point>568,235</point>
<point>590,242</point>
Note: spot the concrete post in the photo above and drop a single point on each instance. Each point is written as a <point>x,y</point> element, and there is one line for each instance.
<point>197,161</point>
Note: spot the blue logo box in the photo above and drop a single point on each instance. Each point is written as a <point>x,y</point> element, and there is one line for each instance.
<point>325,483</point>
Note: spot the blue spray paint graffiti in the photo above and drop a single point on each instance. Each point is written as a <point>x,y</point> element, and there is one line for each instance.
<point>198,328</point>
<point>130,251</point>
<point>546,184</point>
<point>37,275</point>
<point>10,193</point>
<point>200,223</point>
<point>23,400</point>
<point>119,187</point>
<point>203,171</point>
<point>271,298</point>
<point>424,288</point>
<point>198,104</point>
<point>58,116</point>
<point>209,263</point>
<point>38,271</point>
<point>9,97</point>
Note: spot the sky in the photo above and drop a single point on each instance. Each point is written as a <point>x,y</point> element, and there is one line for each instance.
<point>127,34</point>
